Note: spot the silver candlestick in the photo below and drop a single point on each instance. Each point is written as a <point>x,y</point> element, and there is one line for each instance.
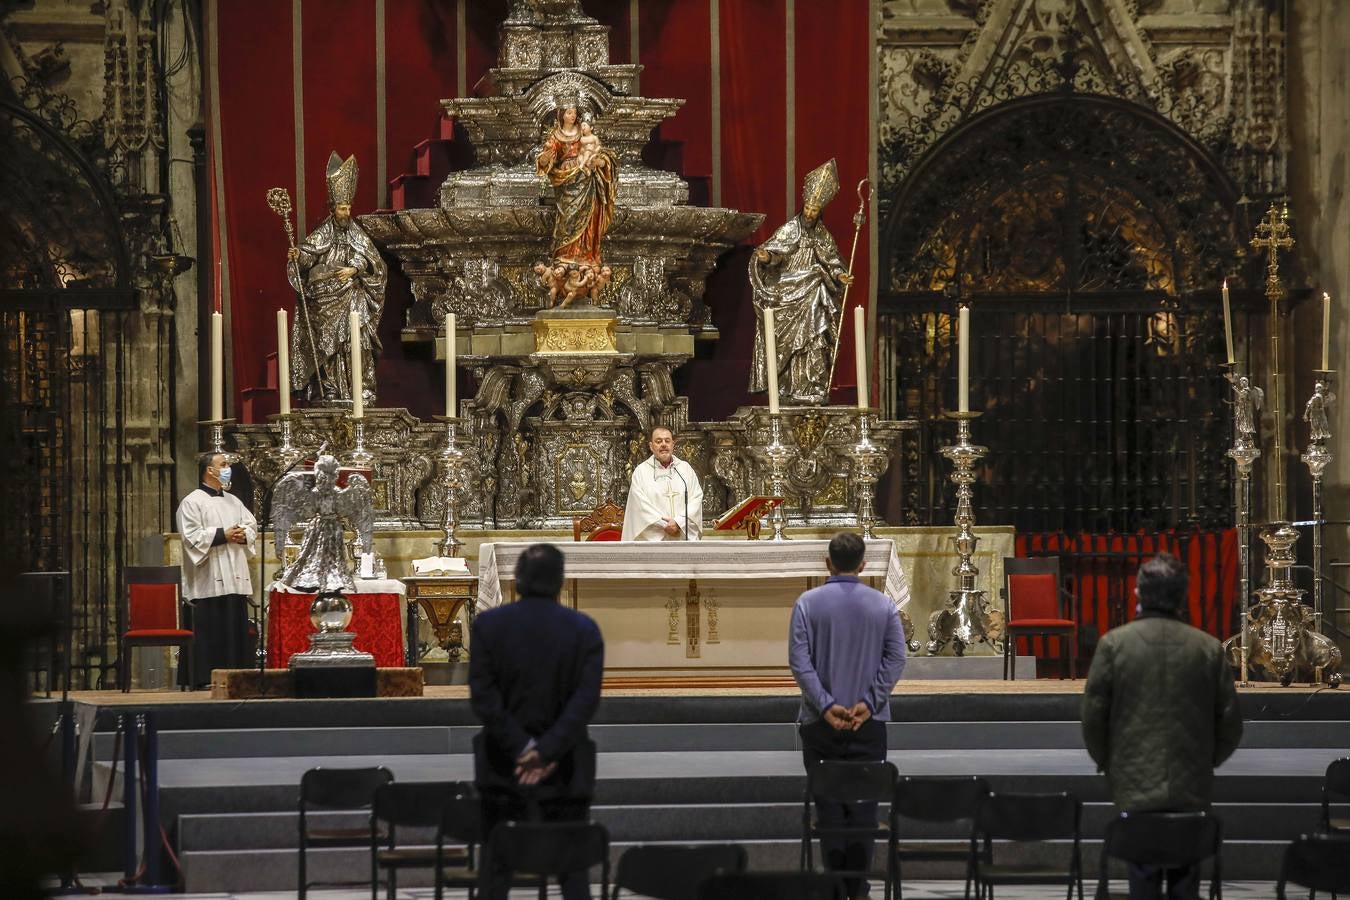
<point>966,618</point>
<point>868,461</point>
<point>1317,457</point>
<point>1244,453</point>
<point>216,438</point>
<point>450,470</point>
<point>287,452</point>
<point>361,458</point>
<point>777,453</point>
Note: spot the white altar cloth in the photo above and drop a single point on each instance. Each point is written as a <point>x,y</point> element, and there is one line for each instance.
<point>684,560</point>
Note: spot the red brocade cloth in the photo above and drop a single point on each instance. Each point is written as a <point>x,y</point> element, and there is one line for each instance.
<point>375,621</point>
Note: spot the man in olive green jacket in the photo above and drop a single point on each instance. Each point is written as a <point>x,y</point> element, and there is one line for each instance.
<point>1160,713</point>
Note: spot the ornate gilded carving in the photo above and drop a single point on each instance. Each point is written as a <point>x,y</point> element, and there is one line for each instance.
<point>574,335</point>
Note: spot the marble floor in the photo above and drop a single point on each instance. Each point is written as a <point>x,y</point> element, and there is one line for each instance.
<point>914,890</point>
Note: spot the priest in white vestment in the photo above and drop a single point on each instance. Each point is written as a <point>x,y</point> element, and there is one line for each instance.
<point>220,537</point>
<point>665,500</point>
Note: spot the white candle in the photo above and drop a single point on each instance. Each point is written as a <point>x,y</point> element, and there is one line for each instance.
<point>354,331</point>
<point>860,354</point>
<point>963,361</point>
<point>771,360</point>
<point>1326,331</point>
<point>1228,324</point>
<point>450,365</point>
<point>283,364</point>
<point>217,366</point>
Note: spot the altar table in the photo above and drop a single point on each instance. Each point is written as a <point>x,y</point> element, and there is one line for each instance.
<point>378,611</point>
<point>673,606</point>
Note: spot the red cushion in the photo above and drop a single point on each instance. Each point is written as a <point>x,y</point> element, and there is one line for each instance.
<point>152,606</point>
<point>607,533</point>
<point>1041,623</point>
<point>1033,597</point>
<point>157,632</point>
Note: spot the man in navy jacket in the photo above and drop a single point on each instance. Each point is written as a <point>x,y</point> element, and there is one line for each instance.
<point>534,680</point>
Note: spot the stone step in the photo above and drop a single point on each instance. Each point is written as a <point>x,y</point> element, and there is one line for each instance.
<point>711,736</point>
<point>706,822</point>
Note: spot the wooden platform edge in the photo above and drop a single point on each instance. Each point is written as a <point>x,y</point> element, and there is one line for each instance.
<point>279,684</point>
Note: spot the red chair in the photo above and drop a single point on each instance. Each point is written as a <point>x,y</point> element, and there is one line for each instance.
<point>151,614</point>
<point>1034,605</point>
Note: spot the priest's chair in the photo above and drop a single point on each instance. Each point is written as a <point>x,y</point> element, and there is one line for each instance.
<point>151,615</point>
<point>604,523</point>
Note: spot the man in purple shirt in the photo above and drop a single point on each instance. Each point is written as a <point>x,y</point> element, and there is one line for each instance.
<point>847,650</point>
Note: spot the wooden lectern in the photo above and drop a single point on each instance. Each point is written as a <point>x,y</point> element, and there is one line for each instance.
<point>747,515</point>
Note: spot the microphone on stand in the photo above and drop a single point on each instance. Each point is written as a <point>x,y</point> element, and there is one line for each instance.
<point>675,467</point>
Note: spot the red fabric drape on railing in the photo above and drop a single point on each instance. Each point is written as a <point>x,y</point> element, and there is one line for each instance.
<point>1100,569</point>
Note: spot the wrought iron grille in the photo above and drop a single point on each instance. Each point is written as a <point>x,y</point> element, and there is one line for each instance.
<point>1089,235</point>
<point>65,300</point>
<point>1103,415</point>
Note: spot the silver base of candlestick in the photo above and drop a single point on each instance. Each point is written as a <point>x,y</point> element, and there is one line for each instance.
<point>450,476</point>
<point>360,457</point>
<point>331,645</point>
<point>777,454</point>
<point>966,618</point>
<point>868,461</point>
<point>1282,642</point>
<point>216,438</point>
<point>286,452</point>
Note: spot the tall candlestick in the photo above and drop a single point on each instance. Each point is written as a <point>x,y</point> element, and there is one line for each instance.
<point>450,366</point>
<point>354,331</point>
<point>860,354</point>
<point>1326,332</point>
<point>1228,324</point>
<point>771,360</point>
<point>217,366</point>
<point>283,364</point>
<point>963,361</point>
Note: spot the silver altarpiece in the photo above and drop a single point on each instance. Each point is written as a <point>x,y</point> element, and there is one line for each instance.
<point>565,397</point>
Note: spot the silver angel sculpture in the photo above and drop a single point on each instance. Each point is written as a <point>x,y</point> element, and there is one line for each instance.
<point>1316,413</point>
<point>321,566</point>
<point>1247,402</point>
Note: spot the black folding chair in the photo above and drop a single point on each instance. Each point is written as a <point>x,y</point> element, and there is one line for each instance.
<point>1336,789</point>
<point>1164,841</point>
<point>849,781</point>
<point>336,789</point>
<point>1025,818</point>
<point>673,872</point>
<point>408,805</point>
<point>774,886</point>
<point>548,850</point>
<point>461,826</point>
<point>936,800</point>
<point>1319,862</point>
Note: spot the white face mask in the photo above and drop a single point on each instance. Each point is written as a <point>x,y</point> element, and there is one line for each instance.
<point>224,476</point>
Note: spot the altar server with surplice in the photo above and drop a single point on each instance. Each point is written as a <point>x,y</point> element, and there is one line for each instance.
<point>220,537</point>
<point>665,499</point>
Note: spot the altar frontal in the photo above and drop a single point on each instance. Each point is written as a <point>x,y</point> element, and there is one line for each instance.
<point>716,607</point>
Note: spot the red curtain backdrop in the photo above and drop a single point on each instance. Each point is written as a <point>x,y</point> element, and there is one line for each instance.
<point>251,49</point>
<point>1100,569</point>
